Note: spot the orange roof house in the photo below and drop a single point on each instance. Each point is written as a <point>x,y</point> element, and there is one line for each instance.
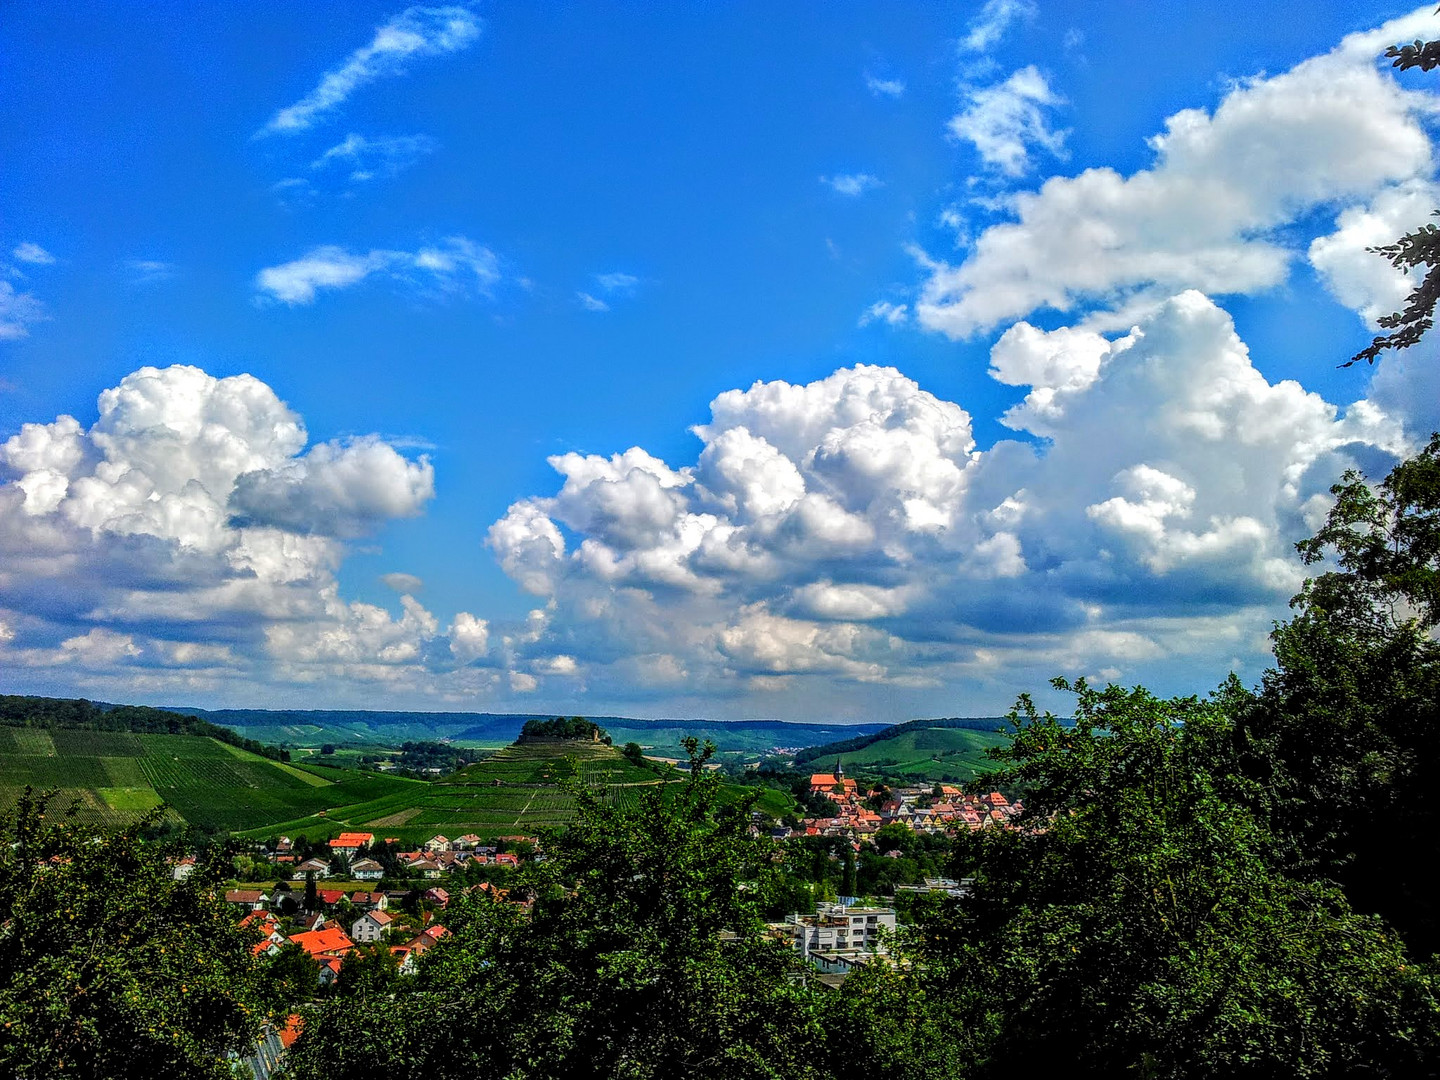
<point>351,840</point>
<point>330,940</point>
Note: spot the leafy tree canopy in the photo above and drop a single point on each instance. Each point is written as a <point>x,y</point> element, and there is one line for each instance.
<point>1141,923</point>
<point>108,967</point>
<point>563,727</point>
<point>642,957</point>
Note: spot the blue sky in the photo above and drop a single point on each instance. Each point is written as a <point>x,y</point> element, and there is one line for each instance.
<point>851,361</point>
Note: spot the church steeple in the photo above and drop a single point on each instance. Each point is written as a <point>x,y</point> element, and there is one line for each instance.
<point>839,770</point>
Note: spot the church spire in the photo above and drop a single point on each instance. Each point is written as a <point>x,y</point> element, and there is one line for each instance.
<point>839,770</point>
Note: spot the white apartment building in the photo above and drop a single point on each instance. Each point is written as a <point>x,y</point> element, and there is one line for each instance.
<point>837,928</point>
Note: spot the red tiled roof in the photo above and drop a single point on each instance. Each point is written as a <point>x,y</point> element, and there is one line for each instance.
<point>291,1031</point>
<point>330,940</point>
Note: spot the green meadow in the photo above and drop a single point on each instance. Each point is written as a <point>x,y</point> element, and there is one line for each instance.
<point>112,777</point>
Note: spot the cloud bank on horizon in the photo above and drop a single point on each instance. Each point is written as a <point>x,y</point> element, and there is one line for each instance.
<point>841,543</point>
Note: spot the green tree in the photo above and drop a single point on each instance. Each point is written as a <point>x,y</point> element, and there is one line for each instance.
<point>643,957</point>
<point>108,967</point>
<point>1340,743</point>
<point>367,971</point>
<point>634,753</point>
<point>1141,922</point>
<point>290,975</point>
<point>894,837</point>
<point>312,894</point>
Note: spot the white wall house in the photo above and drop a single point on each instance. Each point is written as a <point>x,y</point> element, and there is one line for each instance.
<point>835,928</point>
<point>370,926</point>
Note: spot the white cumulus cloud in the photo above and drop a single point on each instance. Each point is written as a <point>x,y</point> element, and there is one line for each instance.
<point>1207,214</point>
<point>188,539</point>
<point>850,529</point>
<point>1005,121</point>
<point>1358,277</point>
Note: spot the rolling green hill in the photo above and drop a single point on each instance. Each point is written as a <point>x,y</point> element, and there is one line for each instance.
<point>114,776</point>
<point>920,751</point>
<point>114,763</point>
<point>513,792</point>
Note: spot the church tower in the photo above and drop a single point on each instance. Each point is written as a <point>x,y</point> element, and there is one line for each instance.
<point>839,770</point>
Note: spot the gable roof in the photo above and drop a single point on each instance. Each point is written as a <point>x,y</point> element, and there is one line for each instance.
<point>330,940</point>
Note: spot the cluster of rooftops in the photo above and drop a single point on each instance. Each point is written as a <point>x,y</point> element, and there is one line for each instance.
<point>919,808</point>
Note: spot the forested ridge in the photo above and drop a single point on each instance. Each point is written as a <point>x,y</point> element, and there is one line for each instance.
<point>849,746</point>
<point>77,713</point>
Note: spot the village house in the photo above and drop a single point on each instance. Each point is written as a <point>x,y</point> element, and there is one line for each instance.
<point>437,844</point>
<point>366,870</point>
<point>267,925</point>
<point>371,926</point>
<point>416,947</point>
<point>319,867</point>
<point>351,842</point>
<point>182,868</point>
<point>332,940</point>
<point>250,899</point>
<point>329,968</point>
<point>370,901</point>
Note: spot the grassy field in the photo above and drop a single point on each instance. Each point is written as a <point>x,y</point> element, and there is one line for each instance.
<point>513,792</point>
<point>923,755</point>
<point>113,777</point>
